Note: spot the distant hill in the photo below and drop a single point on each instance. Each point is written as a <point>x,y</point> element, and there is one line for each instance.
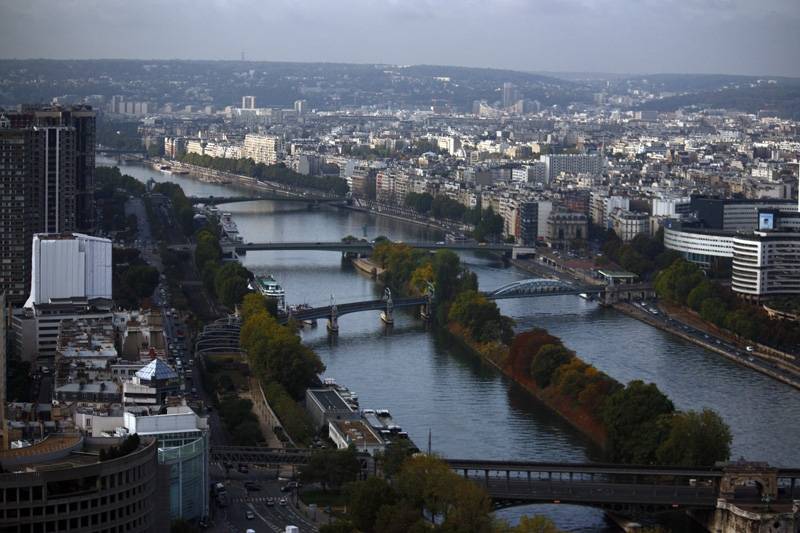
<point>780,95</point>
<point>324,85</point>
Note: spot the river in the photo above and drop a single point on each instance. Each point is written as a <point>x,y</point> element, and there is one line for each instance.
<point>470,409</point>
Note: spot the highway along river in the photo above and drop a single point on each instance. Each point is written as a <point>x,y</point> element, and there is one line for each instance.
<point>470,409</point>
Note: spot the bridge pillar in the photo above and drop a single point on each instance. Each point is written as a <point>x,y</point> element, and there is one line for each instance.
<point>333,319</point>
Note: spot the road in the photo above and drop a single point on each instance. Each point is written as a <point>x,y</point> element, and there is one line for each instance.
<point>737,353</point>
<point>651,313</point>
<point>272,510</point>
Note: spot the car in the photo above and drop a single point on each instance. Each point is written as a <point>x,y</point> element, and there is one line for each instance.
<point>243,468</point>
<point>283,501</point>
<point>250,515</point>
<point>270,501</point>
<point>750,349</point>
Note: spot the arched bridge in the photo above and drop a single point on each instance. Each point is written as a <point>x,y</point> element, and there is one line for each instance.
<point>527,288</point>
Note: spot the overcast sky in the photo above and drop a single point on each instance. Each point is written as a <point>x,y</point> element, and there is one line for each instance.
<point>625,36</point>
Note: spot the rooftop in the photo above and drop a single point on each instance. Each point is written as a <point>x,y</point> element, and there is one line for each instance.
<point>156,370</point>
<point>329,399</point>
<point>357,432</point>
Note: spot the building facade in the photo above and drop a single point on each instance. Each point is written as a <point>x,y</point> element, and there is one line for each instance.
<point>47,181</point>
<point>262,148</point>
<point>62,484</point>
<point>765,265</point>
<point>628,224</point>
<point>564,227</point>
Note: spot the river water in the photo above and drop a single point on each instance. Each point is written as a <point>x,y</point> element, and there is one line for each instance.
<point>470,409</point>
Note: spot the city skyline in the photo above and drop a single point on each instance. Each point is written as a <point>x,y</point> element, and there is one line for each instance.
<point>612,36</point>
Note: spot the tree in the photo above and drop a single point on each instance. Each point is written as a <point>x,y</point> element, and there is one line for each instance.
<point>695,439</point>
<point>677,281</point>
<point>713,310</point>
<point>546,362</point>
<point>481,317</point>
<point>366,498</point>
<point>699,294</point>
<point>248,433</point>
<point>631,416</point>
<point>400,518</point>
<point>393,457</point>
<point>742,323</point>
<point>331,468</point>
<point>426,483</point>
<point>232,290</point>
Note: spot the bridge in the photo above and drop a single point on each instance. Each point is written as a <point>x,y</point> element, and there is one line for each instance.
<point>105,150</point>
<point>631,490</point>
<point>528,288</point>
<point>216,200</point>
<point>367,247</point>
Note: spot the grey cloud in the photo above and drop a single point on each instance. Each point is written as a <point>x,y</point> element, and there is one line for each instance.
<point>733,36</point>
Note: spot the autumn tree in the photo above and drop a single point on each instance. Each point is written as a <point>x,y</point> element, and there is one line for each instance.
<point>695,439</point>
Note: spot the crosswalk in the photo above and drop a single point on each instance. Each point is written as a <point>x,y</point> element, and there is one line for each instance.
<point>249,499</point>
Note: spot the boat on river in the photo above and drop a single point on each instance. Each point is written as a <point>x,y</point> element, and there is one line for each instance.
<point>267,286</point>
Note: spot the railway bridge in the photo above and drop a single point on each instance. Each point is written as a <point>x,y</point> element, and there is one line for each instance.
<point>628,490</point>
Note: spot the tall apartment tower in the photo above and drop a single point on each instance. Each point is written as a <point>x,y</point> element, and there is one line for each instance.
<point>248,102</point>
<point>46,184</point>
<point>73,130</point>
<point>509,94</point>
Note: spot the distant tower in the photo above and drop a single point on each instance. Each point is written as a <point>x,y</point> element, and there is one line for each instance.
<point>509,94</point>
<point>242,55</point>
<point>248,102</point>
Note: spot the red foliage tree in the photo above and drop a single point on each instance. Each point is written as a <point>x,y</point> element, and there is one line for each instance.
<point>524,348</point>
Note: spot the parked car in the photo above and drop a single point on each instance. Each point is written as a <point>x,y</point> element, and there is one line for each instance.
<point>250,515</point>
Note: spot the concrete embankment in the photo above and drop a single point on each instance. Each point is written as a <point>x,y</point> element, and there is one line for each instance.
<point>365,265</point>
<point>631,311</point>
<point>793,377</point>
<point>425,223</point>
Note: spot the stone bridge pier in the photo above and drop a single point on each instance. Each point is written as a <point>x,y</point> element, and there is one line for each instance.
<point>750,502</point>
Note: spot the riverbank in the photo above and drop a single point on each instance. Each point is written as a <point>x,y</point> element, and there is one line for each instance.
<point>774,366</point>
<point>578,418</point>
<point>708,344</point>
<point>363,264</point>
<point>430,224</point>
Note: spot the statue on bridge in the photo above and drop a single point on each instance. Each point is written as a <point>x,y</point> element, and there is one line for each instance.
<point>333,319</point>
<point>387,315</point>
